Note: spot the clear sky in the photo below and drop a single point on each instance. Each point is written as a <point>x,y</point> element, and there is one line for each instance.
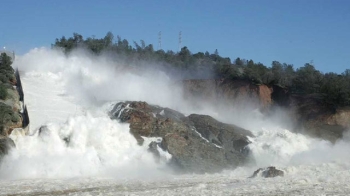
<point>291,31</point>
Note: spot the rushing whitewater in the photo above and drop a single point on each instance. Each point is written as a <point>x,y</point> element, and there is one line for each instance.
<point>69,97</point>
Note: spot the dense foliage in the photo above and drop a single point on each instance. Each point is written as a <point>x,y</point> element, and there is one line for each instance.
<point>7,78</point>
<point>7,114</point>
<point>6,75</point>
<point>305,80</point>
<point>3,92</point>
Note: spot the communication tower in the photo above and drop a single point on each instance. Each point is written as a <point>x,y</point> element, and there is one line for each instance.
<point>180,40</point>
<point>159,40</point>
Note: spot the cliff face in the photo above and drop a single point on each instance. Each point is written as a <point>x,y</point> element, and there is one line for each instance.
<point>311,114</point>
<point>228,91</point>
<point>317,118</point>
<point>341,117</point>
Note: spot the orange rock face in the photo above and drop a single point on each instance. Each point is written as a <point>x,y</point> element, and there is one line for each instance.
<point>228,91</point>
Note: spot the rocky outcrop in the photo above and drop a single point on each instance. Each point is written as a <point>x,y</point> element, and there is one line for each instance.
<point>269,172</point>
<point>228,91</point>
<point>311,114</point>
<point>318,118</point>
<point>197,143</point>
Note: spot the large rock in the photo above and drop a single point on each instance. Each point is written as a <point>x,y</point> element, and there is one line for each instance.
<point>148,121</point>
<point>197,143</point>
<point>230,137</point>
<point>269,172</point>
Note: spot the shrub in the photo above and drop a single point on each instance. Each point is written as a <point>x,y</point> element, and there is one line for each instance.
<point>3,92</point>
<point>15,118</point>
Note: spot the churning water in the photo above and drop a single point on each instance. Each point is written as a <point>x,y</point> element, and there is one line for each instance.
<point>69,97</point>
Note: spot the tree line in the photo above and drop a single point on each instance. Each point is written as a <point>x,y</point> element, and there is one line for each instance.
<point>334,87</point>
<point>7,76</point>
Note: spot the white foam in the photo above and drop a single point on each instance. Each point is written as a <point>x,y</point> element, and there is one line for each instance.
<point>97,146</point>
<point>164,155</point>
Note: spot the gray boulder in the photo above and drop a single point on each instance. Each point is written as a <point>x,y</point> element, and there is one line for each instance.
<point>269,172</point>
<point>197,143</point>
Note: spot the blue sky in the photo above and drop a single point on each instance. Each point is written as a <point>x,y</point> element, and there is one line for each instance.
<point>291,31</point>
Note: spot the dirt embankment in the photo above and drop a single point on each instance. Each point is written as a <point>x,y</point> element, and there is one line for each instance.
<point>228,91</point>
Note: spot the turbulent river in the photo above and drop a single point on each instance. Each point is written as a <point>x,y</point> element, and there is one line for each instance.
<point>71,96</point>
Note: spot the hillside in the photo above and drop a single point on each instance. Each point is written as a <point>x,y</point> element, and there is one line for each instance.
<point>11,103</point>
<point>184,64</point>
<point>312,113</point>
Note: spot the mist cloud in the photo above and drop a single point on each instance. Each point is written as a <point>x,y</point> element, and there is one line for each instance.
<point>91,80</point>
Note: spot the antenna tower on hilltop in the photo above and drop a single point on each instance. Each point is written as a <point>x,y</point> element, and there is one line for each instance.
<point>180,40</point>
<point>159,40</point>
